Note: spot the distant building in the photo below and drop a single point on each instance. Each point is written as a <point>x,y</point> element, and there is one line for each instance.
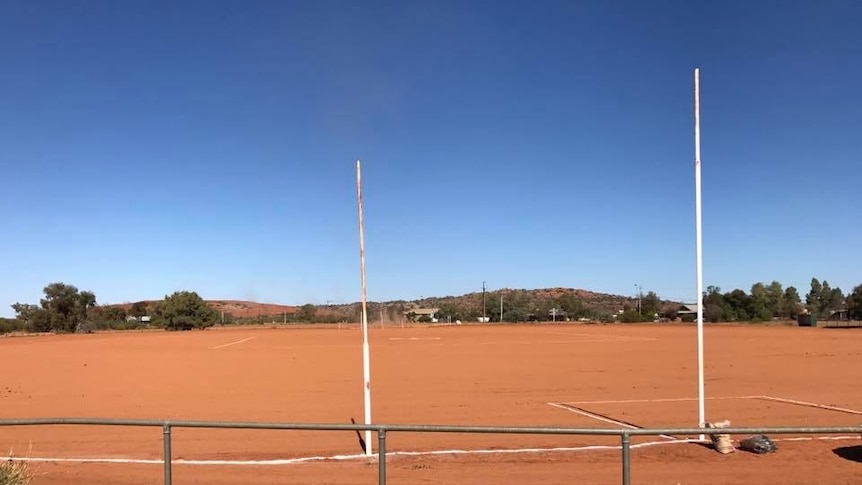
<point>839,315</point>
<point>422,314</point>
<point>687,310</point>
<point>143,319</point>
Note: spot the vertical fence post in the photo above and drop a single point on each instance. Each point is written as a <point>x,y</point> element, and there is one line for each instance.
<point>381,456</point>
<point>167,440</point>
<point>626,440</point>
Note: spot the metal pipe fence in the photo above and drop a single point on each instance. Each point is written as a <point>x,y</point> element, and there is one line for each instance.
<point>383,429</point>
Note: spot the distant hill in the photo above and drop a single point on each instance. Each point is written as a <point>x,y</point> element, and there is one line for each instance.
<point>235,308</point>
<point>470,305</point>
<point>536,300</point>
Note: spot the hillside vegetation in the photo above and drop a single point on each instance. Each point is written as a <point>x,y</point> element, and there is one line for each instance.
<point>65,308</point>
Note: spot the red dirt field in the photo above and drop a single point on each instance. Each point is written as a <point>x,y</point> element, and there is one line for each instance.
<point>530,375</point>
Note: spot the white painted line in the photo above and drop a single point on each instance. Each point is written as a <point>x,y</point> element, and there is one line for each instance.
<point>295,461</point>
<point>414,338</point>
<point>584,412</point>
<point>231,343</point>
<point>285,461</point>
<point>543,342</point>
<point>675,399</point>
<point>608,335</point>
<point>809,404</point>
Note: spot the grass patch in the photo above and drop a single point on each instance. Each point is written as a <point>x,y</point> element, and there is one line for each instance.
<point>15,472</point>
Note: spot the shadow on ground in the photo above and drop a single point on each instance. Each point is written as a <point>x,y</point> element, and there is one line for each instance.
<point>852,453</point>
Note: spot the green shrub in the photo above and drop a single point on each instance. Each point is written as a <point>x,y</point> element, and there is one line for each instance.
<point>8,325</point>
<point>632,316</point>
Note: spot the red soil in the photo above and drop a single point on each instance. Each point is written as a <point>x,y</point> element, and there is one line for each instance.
<point>495,375</point>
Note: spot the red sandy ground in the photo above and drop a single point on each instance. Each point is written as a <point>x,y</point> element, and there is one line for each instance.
<point>469,375</point>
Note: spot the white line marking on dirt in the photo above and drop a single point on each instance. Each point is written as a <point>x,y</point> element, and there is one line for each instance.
<point>588,414</point>
<point>675,399</point>
<point>543,342</point>
<point>231,343</point>
<point>414,338</point>
<point>809,404</point>
<point>611,336</point>
<point>295,461</point>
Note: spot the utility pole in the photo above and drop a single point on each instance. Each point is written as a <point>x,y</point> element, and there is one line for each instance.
<point>484,312</point>
<point>501,307</point>
<point>639,297</point>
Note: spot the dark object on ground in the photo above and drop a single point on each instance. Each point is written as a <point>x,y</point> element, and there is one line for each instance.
<point>359,435</point>
<point>852,453</point>
<point>758,444</point>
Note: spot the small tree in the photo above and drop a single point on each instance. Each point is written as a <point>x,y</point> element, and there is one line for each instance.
<point>717,307</point>
<point>571,304</point>
<point>775,299</point>
<point>854,303</point>
<point>650,305</point>
<point>307,312</point>
<point>139,309</point>
<point>35,318</point>
<point>62,309</point>
<point>450,311</point>
<point>185,310</point>
<point>792,302</point>
<point>814,296</point>
<point>670,311</point>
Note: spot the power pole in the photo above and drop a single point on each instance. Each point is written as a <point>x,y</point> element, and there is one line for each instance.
<point>639,297</point>
<point>501,307</point>
<point>484,312</point>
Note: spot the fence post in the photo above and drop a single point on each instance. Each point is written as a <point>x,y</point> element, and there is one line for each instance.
<point>381,456</point>
<point>167,440</point>
<point>626,440</point>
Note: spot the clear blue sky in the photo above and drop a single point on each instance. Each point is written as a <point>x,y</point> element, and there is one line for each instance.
<point>148,147</point>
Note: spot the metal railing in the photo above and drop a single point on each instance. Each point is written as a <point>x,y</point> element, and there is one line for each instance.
<point>382,430</point>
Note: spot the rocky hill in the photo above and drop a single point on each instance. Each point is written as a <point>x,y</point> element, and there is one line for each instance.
<point>518,305</point>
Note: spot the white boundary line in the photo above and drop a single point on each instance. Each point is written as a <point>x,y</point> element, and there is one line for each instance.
<point>229,344</point>
<point>415,338</point>
<point>808,404</point>
<point>309,459</point>
<point>535,342</point>
<point>611,336</point>
<point>588,414</point>
<point>642,401</point>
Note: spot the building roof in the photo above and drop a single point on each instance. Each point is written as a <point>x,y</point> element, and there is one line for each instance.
<point>422,311</point>
<point>685,308</point>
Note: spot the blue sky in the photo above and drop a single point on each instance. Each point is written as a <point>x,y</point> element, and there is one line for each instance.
<point>148,147</point>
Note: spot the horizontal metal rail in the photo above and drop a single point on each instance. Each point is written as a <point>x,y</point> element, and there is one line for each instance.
<point>382,430</point>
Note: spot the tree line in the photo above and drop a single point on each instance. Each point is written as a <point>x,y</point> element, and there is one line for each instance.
<point>767,302</point>
<point>513,306</point>
<point>64,309</point>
